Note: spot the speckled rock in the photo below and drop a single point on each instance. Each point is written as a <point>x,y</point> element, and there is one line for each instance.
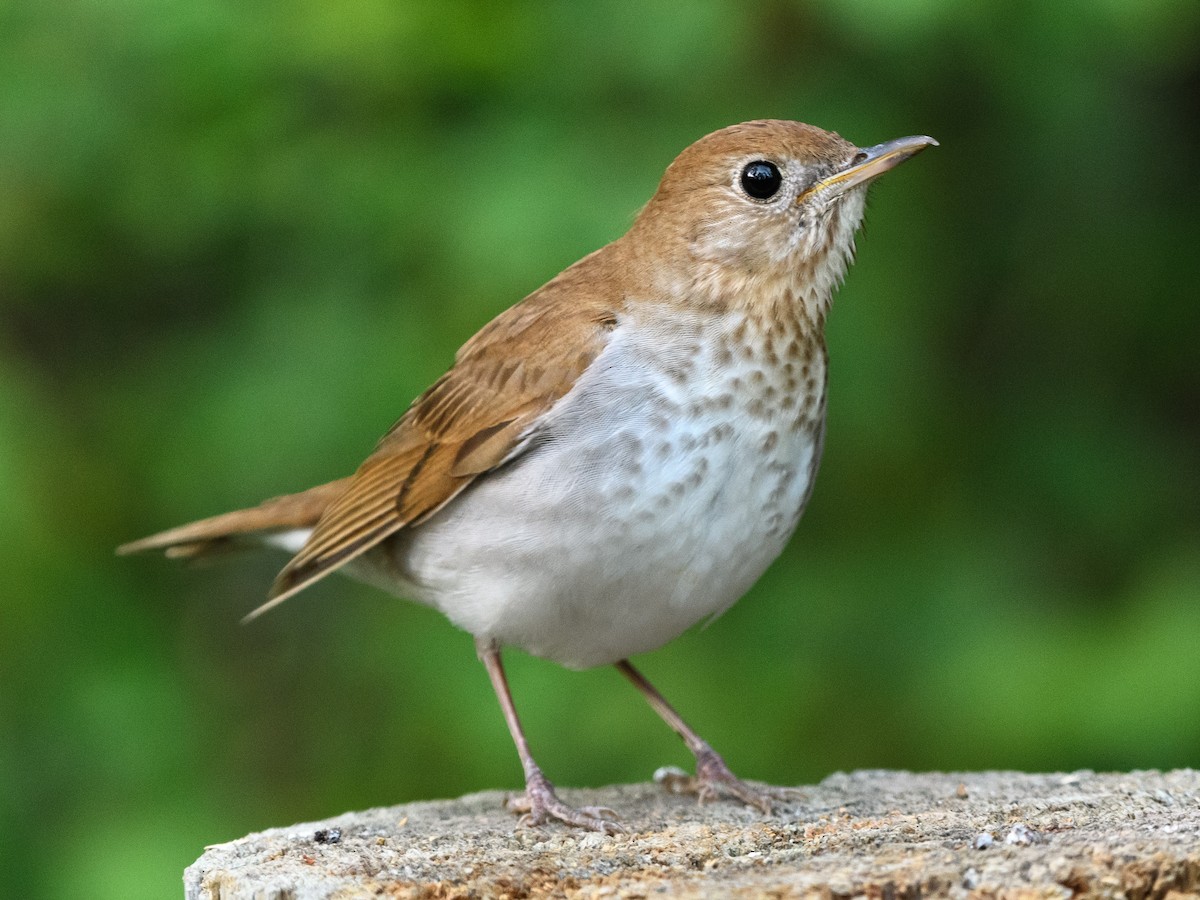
<point>868,834</point>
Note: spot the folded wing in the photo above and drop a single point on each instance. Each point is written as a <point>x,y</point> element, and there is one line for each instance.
<point>482,413</point>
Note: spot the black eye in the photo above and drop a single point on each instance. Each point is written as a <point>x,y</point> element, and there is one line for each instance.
<point>761,179</point>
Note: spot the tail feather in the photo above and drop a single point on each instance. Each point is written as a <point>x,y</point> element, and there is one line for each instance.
<point>214,534</point>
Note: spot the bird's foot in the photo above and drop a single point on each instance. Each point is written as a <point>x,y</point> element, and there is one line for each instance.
<point>540,804</point>
<point>714,781</point>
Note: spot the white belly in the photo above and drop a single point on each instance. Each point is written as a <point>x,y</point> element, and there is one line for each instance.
<point>651,501</point>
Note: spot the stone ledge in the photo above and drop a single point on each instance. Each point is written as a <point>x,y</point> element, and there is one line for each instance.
<point>873,834</point>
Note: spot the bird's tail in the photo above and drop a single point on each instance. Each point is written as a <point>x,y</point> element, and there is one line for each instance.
<point>276,516</point>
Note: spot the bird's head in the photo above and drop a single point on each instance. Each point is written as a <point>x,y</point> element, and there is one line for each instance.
<point>767,201</point>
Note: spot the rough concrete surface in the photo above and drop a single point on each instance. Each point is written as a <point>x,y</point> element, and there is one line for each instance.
<point>879,835</point>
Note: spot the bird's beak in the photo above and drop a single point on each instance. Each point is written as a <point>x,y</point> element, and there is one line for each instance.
<point>870,163</point>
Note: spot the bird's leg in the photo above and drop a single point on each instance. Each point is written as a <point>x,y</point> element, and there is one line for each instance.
<point>540,804</point>
<point>713,777</point>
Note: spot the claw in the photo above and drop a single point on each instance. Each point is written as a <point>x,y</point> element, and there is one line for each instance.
<point>539,805</point>
<point>714,781</point>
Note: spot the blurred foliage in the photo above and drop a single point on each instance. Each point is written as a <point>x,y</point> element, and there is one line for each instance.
<point>236,238</point>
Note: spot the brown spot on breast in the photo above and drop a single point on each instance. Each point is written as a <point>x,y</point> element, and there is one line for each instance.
<point>631,444</point>
<point>678,374</point>
<point>718,433</point>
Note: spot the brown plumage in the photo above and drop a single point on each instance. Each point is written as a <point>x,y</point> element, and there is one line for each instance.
<point>474,418</point>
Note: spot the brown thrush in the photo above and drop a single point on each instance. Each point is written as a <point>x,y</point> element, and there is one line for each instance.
<point>621,454</point>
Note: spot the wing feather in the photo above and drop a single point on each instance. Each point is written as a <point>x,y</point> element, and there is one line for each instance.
<point>477,416</point>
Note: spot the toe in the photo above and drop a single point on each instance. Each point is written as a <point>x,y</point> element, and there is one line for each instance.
<point>540,804</point>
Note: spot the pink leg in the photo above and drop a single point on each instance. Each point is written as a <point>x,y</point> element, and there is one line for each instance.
<point>713,777</point>
<point>540,804</point>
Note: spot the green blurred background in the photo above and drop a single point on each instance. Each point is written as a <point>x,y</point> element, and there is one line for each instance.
<point>236,238</point>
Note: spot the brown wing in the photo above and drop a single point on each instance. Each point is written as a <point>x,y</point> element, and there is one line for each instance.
<point>477,416</point>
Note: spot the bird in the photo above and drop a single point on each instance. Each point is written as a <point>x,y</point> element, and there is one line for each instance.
<point>618,456</point>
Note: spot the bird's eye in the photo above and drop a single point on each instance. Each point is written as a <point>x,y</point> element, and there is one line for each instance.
<point>761,179</point>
